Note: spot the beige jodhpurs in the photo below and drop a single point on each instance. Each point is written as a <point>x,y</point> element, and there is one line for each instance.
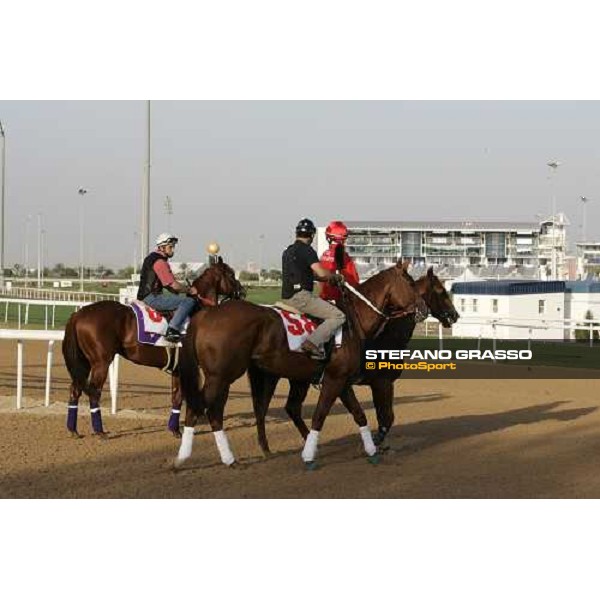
<point>317,307</point>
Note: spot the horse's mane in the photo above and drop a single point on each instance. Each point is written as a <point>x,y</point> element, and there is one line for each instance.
<point>377,280</point>
<point>206,278</point>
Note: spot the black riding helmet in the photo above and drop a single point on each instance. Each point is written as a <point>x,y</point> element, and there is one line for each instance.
<point>305,228</point>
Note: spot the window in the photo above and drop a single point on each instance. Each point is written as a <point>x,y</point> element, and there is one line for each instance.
<point>541,307</point>
<point>463,303</point>
<point>494,305</point>
<point>474,305</point>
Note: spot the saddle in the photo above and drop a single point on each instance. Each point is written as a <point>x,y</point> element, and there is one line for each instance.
<point>152,324</point>
<point>298,326</point>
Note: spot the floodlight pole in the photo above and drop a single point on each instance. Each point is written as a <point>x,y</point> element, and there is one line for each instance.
<point>26,256</point>
<point>168,211</point>
<point>39,250</point>
<point>2,195</point>
<point>145,232</point>
<point>553,164</point>
<point>584,201</point>
<point>82,192</point>
<point>261,239</point>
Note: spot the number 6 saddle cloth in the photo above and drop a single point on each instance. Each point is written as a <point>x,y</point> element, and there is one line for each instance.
<point>152,325</point>
<point>298,326</point>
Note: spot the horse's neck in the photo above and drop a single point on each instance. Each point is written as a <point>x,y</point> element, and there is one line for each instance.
<point>375,291</point>
<point>422,287</point>
<point>205,285</point>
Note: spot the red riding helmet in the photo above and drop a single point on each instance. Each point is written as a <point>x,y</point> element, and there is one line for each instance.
<point>336,232</point>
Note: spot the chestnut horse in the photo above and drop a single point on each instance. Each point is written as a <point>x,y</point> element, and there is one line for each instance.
<point>239,335</point>
<point>99,331</point>
<point>396,334</point>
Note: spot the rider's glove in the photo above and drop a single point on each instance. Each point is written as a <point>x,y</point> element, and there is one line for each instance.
<point>336,279</point>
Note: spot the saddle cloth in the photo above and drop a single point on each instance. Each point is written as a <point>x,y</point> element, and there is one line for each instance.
<point>151,325</point>
<point>298,327</point>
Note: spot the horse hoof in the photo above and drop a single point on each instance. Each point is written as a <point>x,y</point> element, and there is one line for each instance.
<point>178,463</point>
<point>236,466</point>
<point>101,435</point>
<point>176,433</point>
<point>311,465</point>
<point>75,435</point>
<point>374,460</point>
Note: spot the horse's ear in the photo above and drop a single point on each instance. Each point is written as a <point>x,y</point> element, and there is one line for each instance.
<point>430,272</point>
<point>220,260</point>
<point>403,264</point>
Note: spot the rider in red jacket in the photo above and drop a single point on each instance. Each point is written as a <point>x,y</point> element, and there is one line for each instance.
<point>336,234</point>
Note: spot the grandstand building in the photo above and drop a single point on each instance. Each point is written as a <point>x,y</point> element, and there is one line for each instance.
<point>486,248</point>
<point>588,259</point>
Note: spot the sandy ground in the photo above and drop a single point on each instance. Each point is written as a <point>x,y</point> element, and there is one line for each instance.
<point>452,439</point>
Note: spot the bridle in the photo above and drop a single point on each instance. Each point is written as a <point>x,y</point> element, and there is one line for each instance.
<point>385,317</point>
<point>207,301</point>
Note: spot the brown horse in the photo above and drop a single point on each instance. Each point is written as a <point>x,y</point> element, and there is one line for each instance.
<point>396,334</point>
<point>239,335</point>
<point>99,331</point>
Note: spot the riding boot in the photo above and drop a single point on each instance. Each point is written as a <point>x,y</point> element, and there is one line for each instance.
<point>314,351</point>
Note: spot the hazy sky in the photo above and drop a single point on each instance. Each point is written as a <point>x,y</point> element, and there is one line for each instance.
<point>236,170</point>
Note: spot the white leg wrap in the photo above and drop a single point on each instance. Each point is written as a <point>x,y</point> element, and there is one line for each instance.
<point>309,452</point>
<point>367,438</point>
<point>223,446</point>
<point>187,441</point>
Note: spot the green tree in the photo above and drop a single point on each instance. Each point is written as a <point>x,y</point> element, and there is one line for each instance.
<point>247,276</point>
<point>583,335</point>
<point>125,272</point>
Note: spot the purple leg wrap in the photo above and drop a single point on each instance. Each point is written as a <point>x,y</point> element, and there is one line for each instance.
<point>72,417</point>
<point>174,421</point>
<point>96,419</point>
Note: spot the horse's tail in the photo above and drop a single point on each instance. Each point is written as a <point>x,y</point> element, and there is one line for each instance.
<point>189,374</point>
<point>76,361</point>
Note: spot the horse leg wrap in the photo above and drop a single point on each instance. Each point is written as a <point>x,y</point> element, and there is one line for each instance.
<point>174,420</point>
<point>367,438</point>
<point>72,417</point>
<point>187,441</point>
<point>223,446</point>
<point>309,452</point>
<point>96,419</point>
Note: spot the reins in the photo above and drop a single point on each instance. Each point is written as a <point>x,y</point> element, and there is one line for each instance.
<point>386,317</point>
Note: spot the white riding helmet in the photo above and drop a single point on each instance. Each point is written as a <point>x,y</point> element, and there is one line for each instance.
<point>166,238</point>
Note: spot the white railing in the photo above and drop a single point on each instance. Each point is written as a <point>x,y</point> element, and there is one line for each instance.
<point>50,316</point>
<point>54,295</point>
<point>22,335</point>
<point>543,324</point>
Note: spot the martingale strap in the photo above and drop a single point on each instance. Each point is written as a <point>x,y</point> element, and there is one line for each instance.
<point>206,301</point>
<point>172,359</point>
<point>365,300</point>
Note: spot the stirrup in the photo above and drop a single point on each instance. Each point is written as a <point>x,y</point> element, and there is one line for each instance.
<point>312,350</point>
<point>172,335</point>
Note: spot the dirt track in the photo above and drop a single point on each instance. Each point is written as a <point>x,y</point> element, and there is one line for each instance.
<point>466,439</point>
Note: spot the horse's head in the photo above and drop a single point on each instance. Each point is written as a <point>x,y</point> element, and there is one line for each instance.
<point>219,280</point>
<point>437,299</point>
<point>401,298</point>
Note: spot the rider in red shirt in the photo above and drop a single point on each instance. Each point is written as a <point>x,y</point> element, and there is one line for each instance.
<point>336,234</point>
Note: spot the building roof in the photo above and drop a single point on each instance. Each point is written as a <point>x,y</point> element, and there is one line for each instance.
<point>507,287</point>
<point>465,225</point>
<point>583,287</point>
